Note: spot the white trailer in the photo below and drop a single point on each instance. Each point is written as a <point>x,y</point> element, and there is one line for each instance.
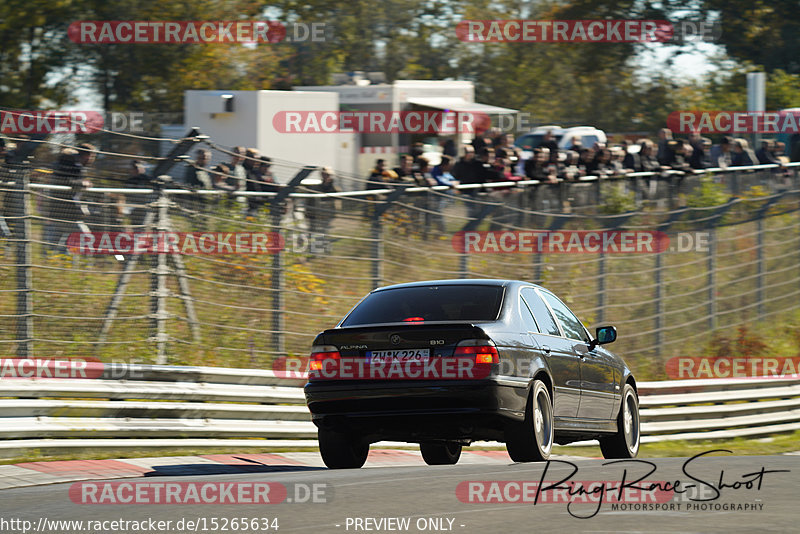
<point>244,118</point>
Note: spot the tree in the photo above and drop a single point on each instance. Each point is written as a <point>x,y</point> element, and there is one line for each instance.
<point>763,33</point>
<point>153,77</point>
<point>32,43</point>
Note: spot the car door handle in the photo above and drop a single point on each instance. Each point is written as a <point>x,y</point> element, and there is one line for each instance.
<point>546,349</point>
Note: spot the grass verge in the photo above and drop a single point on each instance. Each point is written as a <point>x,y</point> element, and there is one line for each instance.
<point>777,444</point>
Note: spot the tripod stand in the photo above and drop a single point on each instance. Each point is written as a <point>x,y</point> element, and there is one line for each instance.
<point>162,266</point>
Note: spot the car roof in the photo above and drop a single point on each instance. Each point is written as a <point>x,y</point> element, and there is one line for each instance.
<point>557,130</point>
<point>458,281</point>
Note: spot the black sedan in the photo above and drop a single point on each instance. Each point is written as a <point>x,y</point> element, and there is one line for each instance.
<point>448,362</point>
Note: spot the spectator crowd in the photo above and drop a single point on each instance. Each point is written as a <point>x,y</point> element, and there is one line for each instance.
<point>71,209</point>
<point>495,158</point>
<point>490,158</point>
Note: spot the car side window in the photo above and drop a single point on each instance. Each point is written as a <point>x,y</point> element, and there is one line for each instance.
<point>547,325</point>
<point>527,316</point>
<point>573,328</point>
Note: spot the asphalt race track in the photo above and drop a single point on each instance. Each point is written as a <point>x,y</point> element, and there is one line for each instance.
<point>741,494</point>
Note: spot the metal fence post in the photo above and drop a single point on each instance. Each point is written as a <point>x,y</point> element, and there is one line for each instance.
<point>377,252</point>
<point>277,280</point>
<point>598,191</point>
<point>760,267</point>
<point>711,279</point>
<point>601,287</point>
<point>711,262</point>
<point>377,235</point>
<point>472,224</point>
<point>538,261</point>
<point>760,261</point>
<point>659,296</point>
<point>159,286</point>
<point>278,260</point>
<point>21,224</point>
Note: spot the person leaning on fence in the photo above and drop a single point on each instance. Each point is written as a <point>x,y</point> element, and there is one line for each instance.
<point>422,175</point>
<point>259,180</point>
<point>321,211</point>
<point>617,156</point>
<point>664,153</point>
<point>549,142</point>
<point>405,170</point>
<point>586,161</point>
<point>722,155</point>
<point>502,172</point>
<point>698,158</point>
<point>64,207</point>
<point>136,205</point>
<point>5,156</point>
<point>238,174</point>
<point>538,167</point>
<point>766,154</point>
<point>576,144</point>
<point>602,163</point>
<point>380,176</point>
<point>197,177</point>
<point>570,170</point>
<point>219,178</point>
<point>682,153</point>
<point>467,169</point>
<point>742,154</point>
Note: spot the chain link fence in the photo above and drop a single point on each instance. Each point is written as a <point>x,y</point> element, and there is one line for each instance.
<point>731,261</point>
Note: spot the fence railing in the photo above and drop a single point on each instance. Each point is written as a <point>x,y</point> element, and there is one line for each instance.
<point>739,263</point>
<point>142,406</point>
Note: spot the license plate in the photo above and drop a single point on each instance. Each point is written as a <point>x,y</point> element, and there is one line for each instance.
<point>399,355</point>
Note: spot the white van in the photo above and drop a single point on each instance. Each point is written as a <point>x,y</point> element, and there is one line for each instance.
<point>589,135</point>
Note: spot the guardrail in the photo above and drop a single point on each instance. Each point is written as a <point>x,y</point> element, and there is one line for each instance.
<point>152,406</point>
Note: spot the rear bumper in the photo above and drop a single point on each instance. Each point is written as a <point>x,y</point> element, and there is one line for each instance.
<point>416,411</point>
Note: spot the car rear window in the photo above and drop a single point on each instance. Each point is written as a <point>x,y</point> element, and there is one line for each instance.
<point>428,303</point>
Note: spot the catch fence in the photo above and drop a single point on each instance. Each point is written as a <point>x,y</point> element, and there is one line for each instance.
<point>734,258</point>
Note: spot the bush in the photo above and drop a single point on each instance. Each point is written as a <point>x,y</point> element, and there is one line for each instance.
<point>708,194</point>
<point>616,200</point>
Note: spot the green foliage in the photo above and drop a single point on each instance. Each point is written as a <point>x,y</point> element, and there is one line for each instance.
<point>708,194</point>
<point>779,337</point>
<point>617,201</point>
<point>744,343</point>
<point>565,83</point>
<point>33,39</point>
<point>763,33</point>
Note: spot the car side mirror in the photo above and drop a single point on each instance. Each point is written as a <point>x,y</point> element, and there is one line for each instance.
<point>604,335</point>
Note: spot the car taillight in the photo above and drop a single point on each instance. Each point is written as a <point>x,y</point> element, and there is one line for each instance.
<point>414,320</point>
<point>319,354</point>
<point>484,350</point>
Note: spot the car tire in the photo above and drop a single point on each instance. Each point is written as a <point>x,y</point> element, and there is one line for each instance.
<point>532,439</point>
<point>625,443</point>
<point>440,452</point>
<point>340,450</point>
